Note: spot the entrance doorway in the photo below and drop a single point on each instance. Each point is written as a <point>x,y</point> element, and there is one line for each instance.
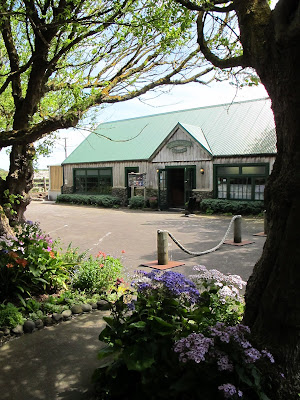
<point>175,185</point>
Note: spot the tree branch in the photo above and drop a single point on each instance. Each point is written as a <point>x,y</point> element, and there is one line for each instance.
<point>211,6</point>
<point>14,74</point>
<point>215,60</point>
<point>14,61</point>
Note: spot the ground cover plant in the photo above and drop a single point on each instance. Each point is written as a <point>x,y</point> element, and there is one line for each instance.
<point>38,279</point>
<point>170,337</point>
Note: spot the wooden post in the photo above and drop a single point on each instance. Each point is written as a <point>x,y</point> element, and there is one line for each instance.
<point>237,233</point>
<point>132,191</point>
<point>265,223</point>
<point>162,247</point>
<point>45,186</point>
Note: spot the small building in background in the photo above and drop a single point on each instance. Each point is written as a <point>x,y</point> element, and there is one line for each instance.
<point>225,151</point>
<point>55,181</point>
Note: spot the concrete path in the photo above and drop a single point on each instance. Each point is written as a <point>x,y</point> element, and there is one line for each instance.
<point>56,362</point>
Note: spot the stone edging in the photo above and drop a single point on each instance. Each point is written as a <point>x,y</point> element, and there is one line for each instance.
<point>30,326</point>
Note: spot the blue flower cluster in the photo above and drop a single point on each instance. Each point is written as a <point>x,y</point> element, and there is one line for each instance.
<point>174,283</point>
<point>212,349</point>
<point>230,390</point>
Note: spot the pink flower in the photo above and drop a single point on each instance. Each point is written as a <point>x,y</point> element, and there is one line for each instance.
<point>123,251</point>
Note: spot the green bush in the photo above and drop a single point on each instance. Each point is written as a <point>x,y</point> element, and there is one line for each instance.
<point>97,275</point>
<point>102,200</point>
<point>211,206</point>
<point>153,202</point>
<point>10,316</point>
<point>136,202</point>
<point>29,264</point>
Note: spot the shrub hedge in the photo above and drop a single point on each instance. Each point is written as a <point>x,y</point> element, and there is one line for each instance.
<point>137,202</point>
<point>211,206</point>
<point>103,200</point>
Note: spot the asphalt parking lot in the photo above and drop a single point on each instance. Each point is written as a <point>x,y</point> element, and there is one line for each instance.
<point>131,235</point>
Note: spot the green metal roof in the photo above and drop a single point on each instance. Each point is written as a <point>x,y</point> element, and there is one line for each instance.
<point>241,128</point>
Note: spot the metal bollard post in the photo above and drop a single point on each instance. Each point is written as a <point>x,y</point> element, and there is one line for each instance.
<point>237,232</point>
<point>162,247</point>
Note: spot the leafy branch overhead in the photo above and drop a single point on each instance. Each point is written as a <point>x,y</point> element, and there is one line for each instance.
<point>61,58</point>
<point>236,33</point>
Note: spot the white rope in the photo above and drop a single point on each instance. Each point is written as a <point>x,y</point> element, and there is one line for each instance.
<point>193,253</point>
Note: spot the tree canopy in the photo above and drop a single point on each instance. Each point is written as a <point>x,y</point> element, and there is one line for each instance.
<point>60,58</point>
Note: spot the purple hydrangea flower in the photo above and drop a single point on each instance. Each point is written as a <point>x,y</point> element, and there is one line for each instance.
<point>174,283</point>
<point>230,390</point>
<point>194,347</point>
<point>131,305</point>
<point>252,355</point>
<point>268,355</point>
<point>224,363</point>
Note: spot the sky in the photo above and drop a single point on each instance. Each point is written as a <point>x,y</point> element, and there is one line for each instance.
<point>181,97</point>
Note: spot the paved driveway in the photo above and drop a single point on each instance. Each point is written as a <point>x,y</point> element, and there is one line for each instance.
<point>135,232</point>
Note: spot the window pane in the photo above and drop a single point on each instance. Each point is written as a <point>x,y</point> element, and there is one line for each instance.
<point>228,170</point>
<point>105,172</point>
<point>79,172</point>
<point>105,181</point>
<point>257,170</point>
<point>259,187</point>
<point>240,188</point>
<point>222,188</point>
<point>80,184</point>
<point>92,184</point>
<point>92,172</point>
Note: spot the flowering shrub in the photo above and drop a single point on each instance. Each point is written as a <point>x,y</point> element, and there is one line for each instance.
<point>224,360</point>
<point>29,263</point>
<point>221,294</point>
<point>97,275</point>
<point>164,341</point>
<point>142,331</point>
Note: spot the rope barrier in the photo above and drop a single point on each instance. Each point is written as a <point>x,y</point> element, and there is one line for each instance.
<point>193,253</point>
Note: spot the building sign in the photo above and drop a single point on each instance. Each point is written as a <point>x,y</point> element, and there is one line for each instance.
<point>136,179</point>
<point>179,146</point>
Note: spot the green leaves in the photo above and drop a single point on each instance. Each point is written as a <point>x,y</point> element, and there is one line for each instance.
<point>139,357</point>
<point>88,54</point>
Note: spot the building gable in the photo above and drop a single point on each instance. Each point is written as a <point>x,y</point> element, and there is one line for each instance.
<point>180,146</point>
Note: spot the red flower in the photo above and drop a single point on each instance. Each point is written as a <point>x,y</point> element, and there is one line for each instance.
<point>101,254</point>
<point>123,251</point>
<point>119,281</point>
<point>12,254</point>
<point>22,261</point>
<point>51,254</point>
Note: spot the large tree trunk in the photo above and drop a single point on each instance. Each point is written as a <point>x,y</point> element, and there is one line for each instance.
<point>18,183</point>
<point>272,295</point>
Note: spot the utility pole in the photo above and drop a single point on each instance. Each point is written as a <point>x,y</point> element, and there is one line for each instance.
<point>66,155</point>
